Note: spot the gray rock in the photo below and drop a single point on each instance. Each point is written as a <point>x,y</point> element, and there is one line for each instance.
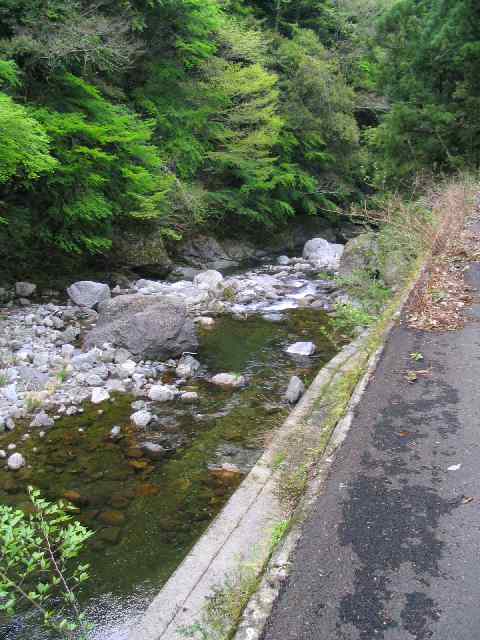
<point>155,328</point>
<point>141,418</point>
<point>283,260</point>
<point>88,294</point>
<point>93,380</point>
<point>187,367</point>
<point>233,380</point>
<point>122,355</point>
<point>42,420</point>
<point>295,390</point>
<point>30,379</point>
<point>67,351</point>
<point>161,393</point>
<point>15,462</point>
<point>70,334</point>
<point>153,450</point>
<point>301,349</point>
<point>99,395</point>
<point>25,289</point>
<point>85,361</point>
<point>322,253</point>
<point>360,254</point>
<point>210,280</point>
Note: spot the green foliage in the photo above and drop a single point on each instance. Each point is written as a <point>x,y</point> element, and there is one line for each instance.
<point>37,563</point>
<point>24,145</point>
<point>367,289</point>
<point>349,318</point>
<point>429,70</point>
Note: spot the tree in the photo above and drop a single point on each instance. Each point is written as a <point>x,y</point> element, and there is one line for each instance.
<point>37,563</point>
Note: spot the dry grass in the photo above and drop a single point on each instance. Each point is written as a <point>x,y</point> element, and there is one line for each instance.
<point>439,299</point>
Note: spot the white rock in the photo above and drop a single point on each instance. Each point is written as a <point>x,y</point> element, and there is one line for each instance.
<point>127,368</point>
<point>189,396</point>
<point>15,462</point>
<point>115,432</point>
<point>3,454</point>
<point>205,321</point>
<point>323,254</point>
<point>283,260</point>
<point>141,418</point>
<point>9,392</point>
<point>68,350</point>
<point>42,420</point>
<point>99,394</point>
<point>210,280</point>
<point>161,393</point>
<point>115,385</point>
<point>229,380</point>
<point>301,349</point>
<point>93,380</point>
<point>295,390</point>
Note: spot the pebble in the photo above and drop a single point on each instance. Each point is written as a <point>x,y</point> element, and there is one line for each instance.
<point>15,462</point>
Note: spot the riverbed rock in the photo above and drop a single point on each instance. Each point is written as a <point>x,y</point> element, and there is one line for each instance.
<point>189,396</point>
<point>187,367</point>
<point>322,253</point>
<point>99,394</point>
<point>15,462</point>
<point>233,380</point>
<point>88,294</point>
<point>301,349</point>
<point>152,327</point>
<point>25,289</point>
<point>42,420</point>
<point>141,418</point>
<point>161,393</point>
<point>295,390</point>
<point>205,322</point>
<point>153,451</point>
<point>360,254</point>
<point>210,280</point>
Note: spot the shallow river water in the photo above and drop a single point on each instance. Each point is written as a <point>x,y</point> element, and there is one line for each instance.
<point>147,513</point>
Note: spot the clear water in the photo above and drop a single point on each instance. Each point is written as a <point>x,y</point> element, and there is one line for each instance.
<point>148,514</point>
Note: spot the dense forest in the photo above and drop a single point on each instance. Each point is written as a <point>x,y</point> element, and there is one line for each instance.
<point>183,114</point>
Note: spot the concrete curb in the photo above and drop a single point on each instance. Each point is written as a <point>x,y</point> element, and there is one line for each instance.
<point>242,532</point>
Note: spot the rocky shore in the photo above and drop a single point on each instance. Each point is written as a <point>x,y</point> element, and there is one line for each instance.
<point>58,352</point>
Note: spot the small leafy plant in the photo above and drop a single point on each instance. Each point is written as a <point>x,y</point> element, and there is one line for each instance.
<point>37,564</point>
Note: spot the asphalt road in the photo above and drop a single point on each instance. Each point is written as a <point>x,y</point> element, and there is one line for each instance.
<point>392,548</point>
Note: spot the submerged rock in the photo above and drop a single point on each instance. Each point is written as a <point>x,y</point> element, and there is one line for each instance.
<point>301,349</point>
<point>15,462</point>
<point>149,326</point>
<point>295,390</point>
<point>88,294</point>
<point>233,380</point>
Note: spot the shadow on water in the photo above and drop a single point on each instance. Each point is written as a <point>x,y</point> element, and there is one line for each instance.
<point>147,513</point>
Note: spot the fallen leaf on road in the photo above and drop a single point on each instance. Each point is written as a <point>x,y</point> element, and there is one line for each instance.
<point>411,377</point>
<point>454,467</point>
<point>404,434</point>
<point>467,499</point>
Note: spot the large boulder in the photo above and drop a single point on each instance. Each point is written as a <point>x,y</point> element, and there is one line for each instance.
<point>323,254</point>
<point>360,254</point>
<point>25,289</point>
<point>155,327</point>
<point>88,294</point>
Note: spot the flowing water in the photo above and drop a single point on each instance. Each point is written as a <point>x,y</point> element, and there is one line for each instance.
<point>147,513</point>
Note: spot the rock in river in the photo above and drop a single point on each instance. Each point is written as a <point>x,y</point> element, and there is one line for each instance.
<point>141,418</point>
<point>155,327</point>
<point>301,349</point>
<point>322,253</point>
<point>15,462</point>
<point>295,390</point>
<point>233,380</point>
<point>88,294</point>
